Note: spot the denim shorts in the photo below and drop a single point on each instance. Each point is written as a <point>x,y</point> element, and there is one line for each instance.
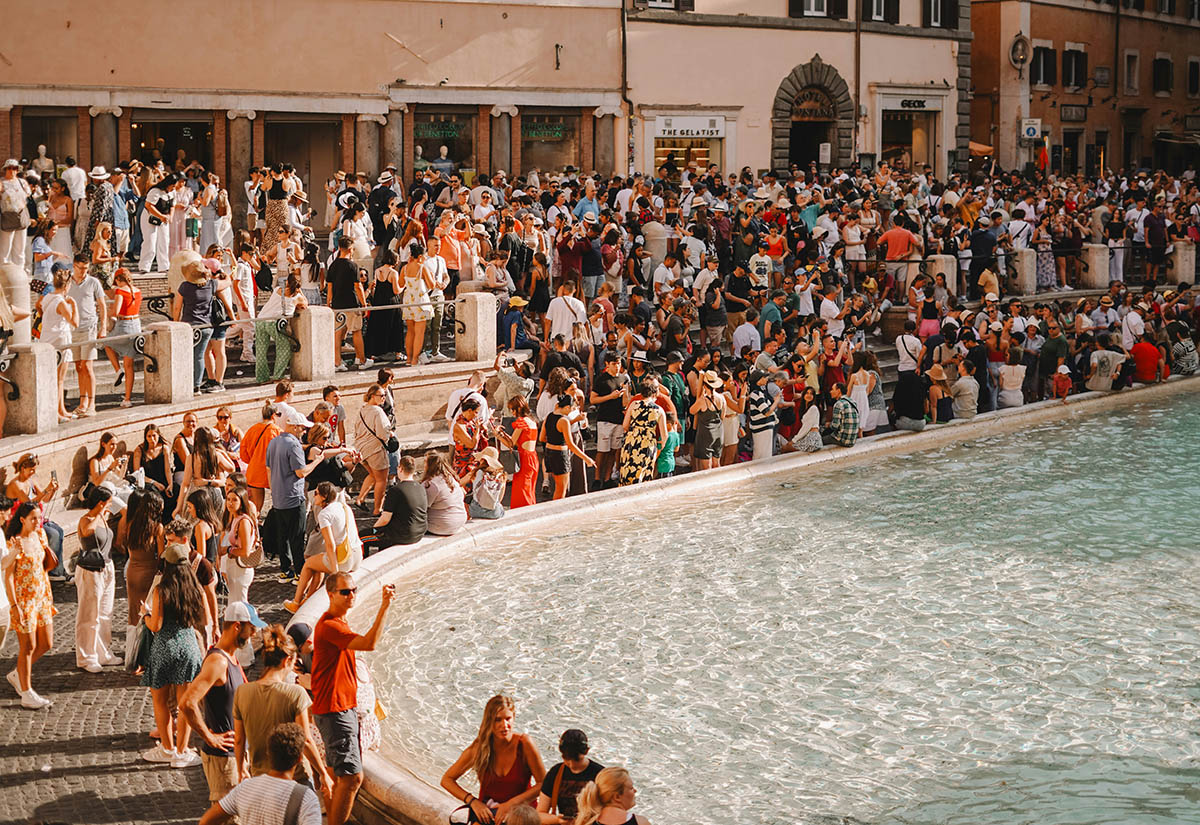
<point>339,731</point>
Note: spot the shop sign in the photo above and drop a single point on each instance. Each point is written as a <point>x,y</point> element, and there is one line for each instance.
<point>1073,114</point>
<point>438,129</point>
<point>689,127</point>
<point>813,104</point>
<point>534,130</point>
<point>912,103</point>
<point>1191,123</point>
<point>1031,128</point>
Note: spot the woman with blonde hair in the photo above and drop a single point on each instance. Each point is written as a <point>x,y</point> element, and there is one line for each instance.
<point>507,764</point>
<point>608,800</point>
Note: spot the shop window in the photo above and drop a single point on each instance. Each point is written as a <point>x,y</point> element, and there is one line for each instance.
<point>58,133</point>
<point>1193,87</point>
<point>1164,75</point>
<point>549,141</point>
<point>445,142</point>
<point>1166,6</point>
<point>1042,68</point>
<point>1074,68</point>
<point>1131,73</point>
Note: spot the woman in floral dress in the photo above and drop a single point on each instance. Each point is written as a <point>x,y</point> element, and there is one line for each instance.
<point>28,589</point>
<point>645,431</point>
<point>468,438</point>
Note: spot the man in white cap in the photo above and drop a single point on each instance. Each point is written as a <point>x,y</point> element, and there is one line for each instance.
<point>1133,325</point>
<point>207,703</point>
<point>283,530</point>
<point>14,214</point>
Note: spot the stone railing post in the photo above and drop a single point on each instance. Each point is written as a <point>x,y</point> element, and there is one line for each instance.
<point>1024,271</point>
<point>1183,263</point>
<point>314,330</point>
<point>168,362</point>
<point>475,326</point>
<point>32,373</point>
<point>15,283</point>
<point>1095,259</point>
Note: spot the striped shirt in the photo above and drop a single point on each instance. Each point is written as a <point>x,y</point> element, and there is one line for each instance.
<point>262,800</point>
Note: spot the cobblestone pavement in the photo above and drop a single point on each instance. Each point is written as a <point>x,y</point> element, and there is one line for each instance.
<point>79,761</point>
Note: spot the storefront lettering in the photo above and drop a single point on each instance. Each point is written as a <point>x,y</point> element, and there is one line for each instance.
<point>813,104</point>
<point>437,129</point>
<point>689,127</point>
<point>1072,114</point>
<point>544,131</point>
<point>912,103</point>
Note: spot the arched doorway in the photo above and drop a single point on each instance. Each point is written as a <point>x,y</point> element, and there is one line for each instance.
<point>812,106</point>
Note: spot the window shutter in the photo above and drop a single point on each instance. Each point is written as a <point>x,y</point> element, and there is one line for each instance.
<point>891,11</point>
<point>1068,69</point>
<point>795,8</point>
<point>685,5</point>
<point>1193,78</point>
<point>949,14</point>
<point>864,11</point>
<point>1081,69</point>
<point>925,15</point>
<point>839,9</point>
<point>1051,68</point>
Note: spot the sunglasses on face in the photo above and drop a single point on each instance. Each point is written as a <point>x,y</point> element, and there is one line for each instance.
<point>348,591</point>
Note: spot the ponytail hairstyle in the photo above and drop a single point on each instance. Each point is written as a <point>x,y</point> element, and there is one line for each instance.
<point>485,754</point>
<point>277,647</point>
<point>607,786</point>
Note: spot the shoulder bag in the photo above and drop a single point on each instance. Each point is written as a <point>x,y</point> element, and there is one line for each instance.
<point>341,553</point>
<point>264,279</point>
<point>254,556</point>
<point>391,445</point>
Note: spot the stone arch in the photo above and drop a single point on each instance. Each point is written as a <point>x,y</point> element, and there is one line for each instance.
<point>819,75</point>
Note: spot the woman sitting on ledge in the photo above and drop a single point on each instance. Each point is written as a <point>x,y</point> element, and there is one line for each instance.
<point>507,763</point>
<point>343,547</point>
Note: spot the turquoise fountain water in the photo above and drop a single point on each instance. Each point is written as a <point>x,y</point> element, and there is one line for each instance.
<point>1003,631</point>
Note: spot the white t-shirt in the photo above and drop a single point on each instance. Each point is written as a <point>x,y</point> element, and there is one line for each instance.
<point>435,265</point>
<point>1131,328</point>
<point>759,269</point>
<point>76,181</point>
<point>262,800</point>
<point>335,516</point>
<point>459,395</point>
<point>829,311</point>
<point>662,281</point>
<point>1106,363</point>
<point>746,334</point>
<point>55,328</point>
<point>243,282</point>
<point>806,299</point>
<point>908,347</point>
<point>564,311</point>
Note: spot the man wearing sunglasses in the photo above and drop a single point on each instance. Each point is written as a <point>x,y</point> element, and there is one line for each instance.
<point>335,687</point>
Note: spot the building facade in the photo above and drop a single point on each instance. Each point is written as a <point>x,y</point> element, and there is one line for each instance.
<point>763,83</point>
<point>1100,85</point>
<point>459,85</point>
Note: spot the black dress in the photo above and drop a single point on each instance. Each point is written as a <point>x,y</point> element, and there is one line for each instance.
<point>385,333</point>
<point>539,302</point>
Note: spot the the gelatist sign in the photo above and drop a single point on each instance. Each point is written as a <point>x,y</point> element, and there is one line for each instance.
<point>813,104</point>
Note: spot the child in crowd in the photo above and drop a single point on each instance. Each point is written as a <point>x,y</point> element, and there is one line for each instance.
<point>666,456</point>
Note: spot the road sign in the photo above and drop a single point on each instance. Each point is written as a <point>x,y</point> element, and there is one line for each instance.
<point>1031,128</point>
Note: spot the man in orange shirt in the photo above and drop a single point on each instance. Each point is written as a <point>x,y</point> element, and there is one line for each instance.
<point>899,243</point>
<point>253,454</point>
<point>335,688</point>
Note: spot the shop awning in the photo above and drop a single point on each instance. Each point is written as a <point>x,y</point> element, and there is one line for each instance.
<point>979,150</point>
<point>1183,140</point>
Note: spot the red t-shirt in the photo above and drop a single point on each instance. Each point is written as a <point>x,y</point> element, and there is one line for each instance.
<point>899,243</point>
<point>1145,362</point>
<point>334,678</point>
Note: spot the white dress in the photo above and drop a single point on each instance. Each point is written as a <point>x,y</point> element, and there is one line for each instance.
<point>858,394</point>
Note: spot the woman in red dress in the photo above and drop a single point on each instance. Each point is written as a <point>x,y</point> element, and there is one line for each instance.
<point>524,441</point>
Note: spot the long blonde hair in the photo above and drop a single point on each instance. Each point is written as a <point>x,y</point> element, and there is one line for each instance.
<point>607,786</point>
<point>485,754</point>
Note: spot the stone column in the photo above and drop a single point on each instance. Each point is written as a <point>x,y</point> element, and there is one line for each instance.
<point>502,139</point>
<point>314,329</point>
<point>606,139</point>
<point>475,322</point>
<point>1183,262</point>
<point>15,283</point>
<point>393,140</point>
<point>944,265</point>
<point>33,372</point>
<point>241,139</point>
<point>1095,261</point>
<point>406,157</point>
<point>366,144</point>
<point>169,349</point>
<point>1024,265</point>
<point>516,144</point>
<point>104,135</point>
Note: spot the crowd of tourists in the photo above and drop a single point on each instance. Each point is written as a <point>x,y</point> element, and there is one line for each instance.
<point>646,325</point>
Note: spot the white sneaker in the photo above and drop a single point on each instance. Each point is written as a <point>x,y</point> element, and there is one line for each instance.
<point>186,759</point>
<point>423,358</point>
<point>30,699</point>
<point>113,660</point>
<point>14,681</point>
<point>366,365</point>
<point>442,358</point>
<point>159,754</point>
<point>341,367</point>
<point>94,667</point>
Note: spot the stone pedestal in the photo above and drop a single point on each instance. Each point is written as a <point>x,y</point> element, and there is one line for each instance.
<point>393,140</point>
<point>33,373</point>
<point>1095,261</point>
<point>241,140</point>
<point>475,334</point>
<point>946,266</point>
<point>169,349</point>
<point>502,139</point>
<point>1023,271</point>
<point>16,288</point>
<point>1183,263</point>
<point>314,329</point>
<point>892,323</point>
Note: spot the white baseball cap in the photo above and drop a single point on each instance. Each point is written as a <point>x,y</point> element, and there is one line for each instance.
<point>295,419</point>
<point>243,612</point>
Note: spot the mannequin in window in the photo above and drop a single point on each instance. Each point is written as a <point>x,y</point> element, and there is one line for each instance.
<point>419,162</point>
<point>443,163</point>
<point>41,164</point>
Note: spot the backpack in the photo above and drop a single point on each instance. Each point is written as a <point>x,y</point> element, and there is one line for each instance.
<point>14,208</point>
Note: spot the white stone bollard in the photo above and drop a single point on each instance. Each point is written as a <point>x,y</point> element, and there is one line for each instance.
<point>168,362</point>
<point>1095,258</point>
<point>33,372</point>
<point>315,360</point>
<point>947,267</point>
<point>475,326</point>
<point>1024,271</point>
<point>1183,263</point>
